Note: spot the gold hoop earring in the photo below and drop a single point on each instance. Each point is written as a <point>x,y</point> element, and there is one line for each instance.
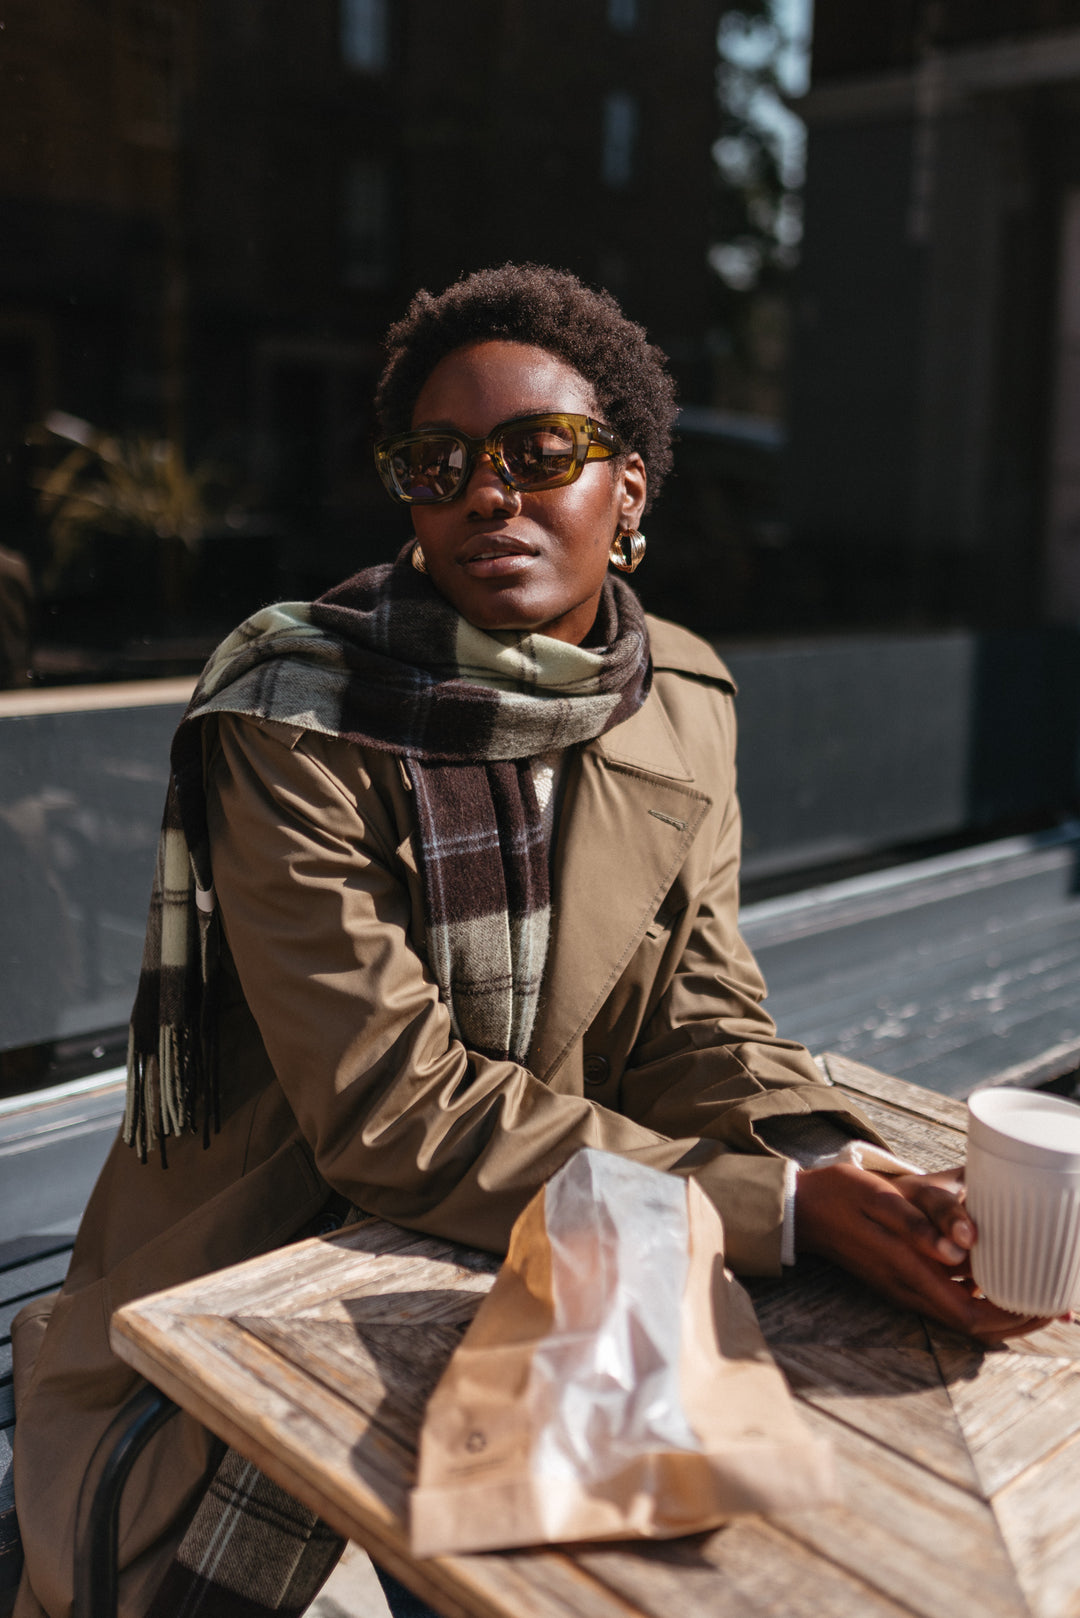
<point>417,558</point>
<point>618,557</point>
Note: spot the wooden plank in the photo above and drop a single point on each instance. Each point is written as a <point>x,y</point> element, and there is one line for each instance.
<point>326,1451</point>
<point>898,1093</point>
<point>749,1567</point>
<point>953,1016</point>
<point>924,1003</point>
<point>1015,1404</point>
<point>1041,1527</point>
<point>316,1361</point>
<point>236,1385</point>
<point>928,1146</point>
<point>399,1365</point>
<point>892,1395</point>
<point>321,1276</point>
<point>855,1356</point>
<point>87,698</point>
<point>28,1249</point>
<point>1041,1069</point>
<point>969,1056</point>
<point>27,1281</point>
<point>545,1583</point>
<point>917,1538</point>
<point>817,910</point>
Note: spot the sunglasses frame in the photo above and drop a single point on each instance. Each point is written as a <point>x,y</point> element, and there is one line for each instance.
<point>593,441</point>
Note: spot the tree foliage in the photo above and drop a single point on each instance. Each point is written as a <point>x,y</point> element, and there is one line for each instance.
<point>760,149</point>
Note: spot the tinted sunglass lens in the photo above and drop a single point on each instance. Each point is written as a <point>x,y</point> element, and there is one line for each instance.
<point>428,468</point>
<point>538,454</point>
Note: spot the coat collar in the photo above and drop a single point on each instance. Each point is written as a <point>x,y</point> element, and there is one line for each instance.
<point>630,814</point>
<point>647,741</point>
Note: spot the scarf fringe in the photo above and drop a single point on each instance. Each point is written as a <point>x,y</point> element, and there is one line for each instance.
<point>172,1085</point>
<point>167,1094</point>
<point>384,661</point>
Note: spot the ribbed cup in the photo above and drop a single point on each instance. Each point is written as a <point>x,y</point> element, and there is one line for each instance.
<point>1023,1191</point>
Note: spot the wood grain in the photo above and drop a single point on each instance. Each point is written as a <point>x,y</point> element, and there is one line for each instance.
<point>1016,1404</point>
<point>328,1451</point>
<point>1040,1524</point>
<point>909,1533</point>
<point>926,1145</point>
<point>856,1357</point>
<point>960,1468</point>
<point>898,1093</point>
<point>750,1567</point>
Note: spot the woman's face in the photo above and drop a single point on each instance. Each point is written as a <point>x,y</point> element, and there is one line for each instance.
<point>508,560</point>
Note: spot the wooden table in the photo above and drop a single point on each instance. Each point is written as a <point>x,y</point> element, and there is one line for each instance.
<point>960,1469</point>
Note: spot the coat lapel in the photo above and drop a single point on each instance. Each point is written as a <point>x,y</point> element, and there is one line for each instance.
<point>630,814</point>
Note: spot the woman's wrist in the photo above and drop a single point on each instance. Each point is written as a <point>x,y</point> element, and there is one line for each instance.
<point>817,1203</point>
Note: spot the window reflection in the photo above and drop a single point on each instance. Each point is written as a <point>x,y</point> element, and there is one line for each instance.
<point>364,34</point>
<point>622,16</point>
<point>366,223</point>
<point>210,216</point>
<point>16,595</point>
<point>619,140</point>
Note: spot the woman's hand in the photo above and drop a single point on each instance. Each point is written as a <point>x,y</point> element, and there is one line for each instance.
<point>909,1237</point>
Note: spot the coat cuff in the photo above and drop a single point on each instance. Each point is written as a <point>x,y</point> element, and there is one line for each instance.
<point>752,1186</point>
<point>787,1235</point>
<point>748,1194</point>
<point>796,1101</point>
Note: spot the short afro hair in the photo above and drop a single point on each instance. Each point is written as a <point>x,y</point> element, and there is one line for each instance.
<point>545,308</point>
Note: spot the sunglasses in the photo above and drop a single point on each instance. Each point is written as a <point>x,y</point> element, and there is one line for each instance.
<point>433,464</point>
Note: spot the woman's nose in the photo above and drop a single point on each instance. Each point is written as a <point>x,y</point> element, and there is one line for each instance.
<point>487,492</point>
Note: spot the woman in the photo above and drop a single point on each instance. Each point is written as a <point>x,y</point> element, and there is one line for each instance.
<point>464,846</point>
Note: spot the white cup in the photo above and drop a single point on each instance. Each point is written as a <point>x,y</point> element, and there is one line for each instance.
<point>1023,1192</point>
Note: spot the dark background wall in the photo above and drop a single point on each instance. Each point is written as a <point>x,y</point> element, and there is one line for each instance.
<point>932,354</point>
<point>210,212</point>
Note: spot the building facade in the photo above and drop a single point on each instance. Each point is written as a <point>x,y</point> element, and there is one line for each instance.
<point>212,211</point>
<point>935,421</point>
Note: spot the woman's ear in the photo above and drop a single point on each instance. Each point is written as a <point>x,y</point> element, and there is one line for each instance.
<point>632,497</point>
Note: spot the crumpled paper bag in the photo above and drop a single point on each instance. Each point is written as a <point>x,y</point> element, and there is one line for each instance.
<point>614,1383</point>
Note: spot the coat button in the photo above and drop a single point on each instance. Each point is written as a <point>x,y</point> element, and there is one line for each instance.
<point>597,1069</point>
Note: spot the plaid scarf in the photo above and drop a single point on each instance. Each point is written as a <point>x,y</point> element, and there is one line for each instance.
<point>384,661</point>
<point>250,1549</point>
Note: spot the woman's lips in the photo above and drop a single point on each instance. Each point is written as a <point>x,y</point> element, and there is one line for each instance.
<point>497,561</point>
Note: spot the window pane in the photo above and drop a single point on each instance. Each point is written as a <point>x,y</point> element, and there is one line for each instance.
<point>620,139</point>
<point>366,223</point>
<point>363,34</point>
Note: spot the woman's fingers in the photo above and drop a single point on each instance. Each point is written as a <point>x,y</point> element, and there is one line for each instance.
<point>929,1213</point>
<point>843,1211</point>
<point>952,1302</point>
<point>940,1197</point>
<point>872,1228</point>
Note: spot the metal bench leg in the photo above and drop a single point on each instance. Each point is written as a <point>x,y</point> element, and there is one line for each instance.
<point>97,1518</point>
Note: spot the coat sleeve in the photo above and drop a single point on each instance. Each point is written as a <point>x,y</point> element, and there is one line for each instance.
<point>400,1116</point>
<point>708,1062</point>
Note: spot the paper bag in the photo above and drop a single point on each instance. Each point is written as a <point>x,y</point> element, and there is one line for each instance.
<point>614,1383</point>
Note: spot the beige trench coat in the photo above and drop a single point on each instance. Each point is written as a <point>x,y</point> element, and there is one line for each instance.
<point>339,1071</point>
